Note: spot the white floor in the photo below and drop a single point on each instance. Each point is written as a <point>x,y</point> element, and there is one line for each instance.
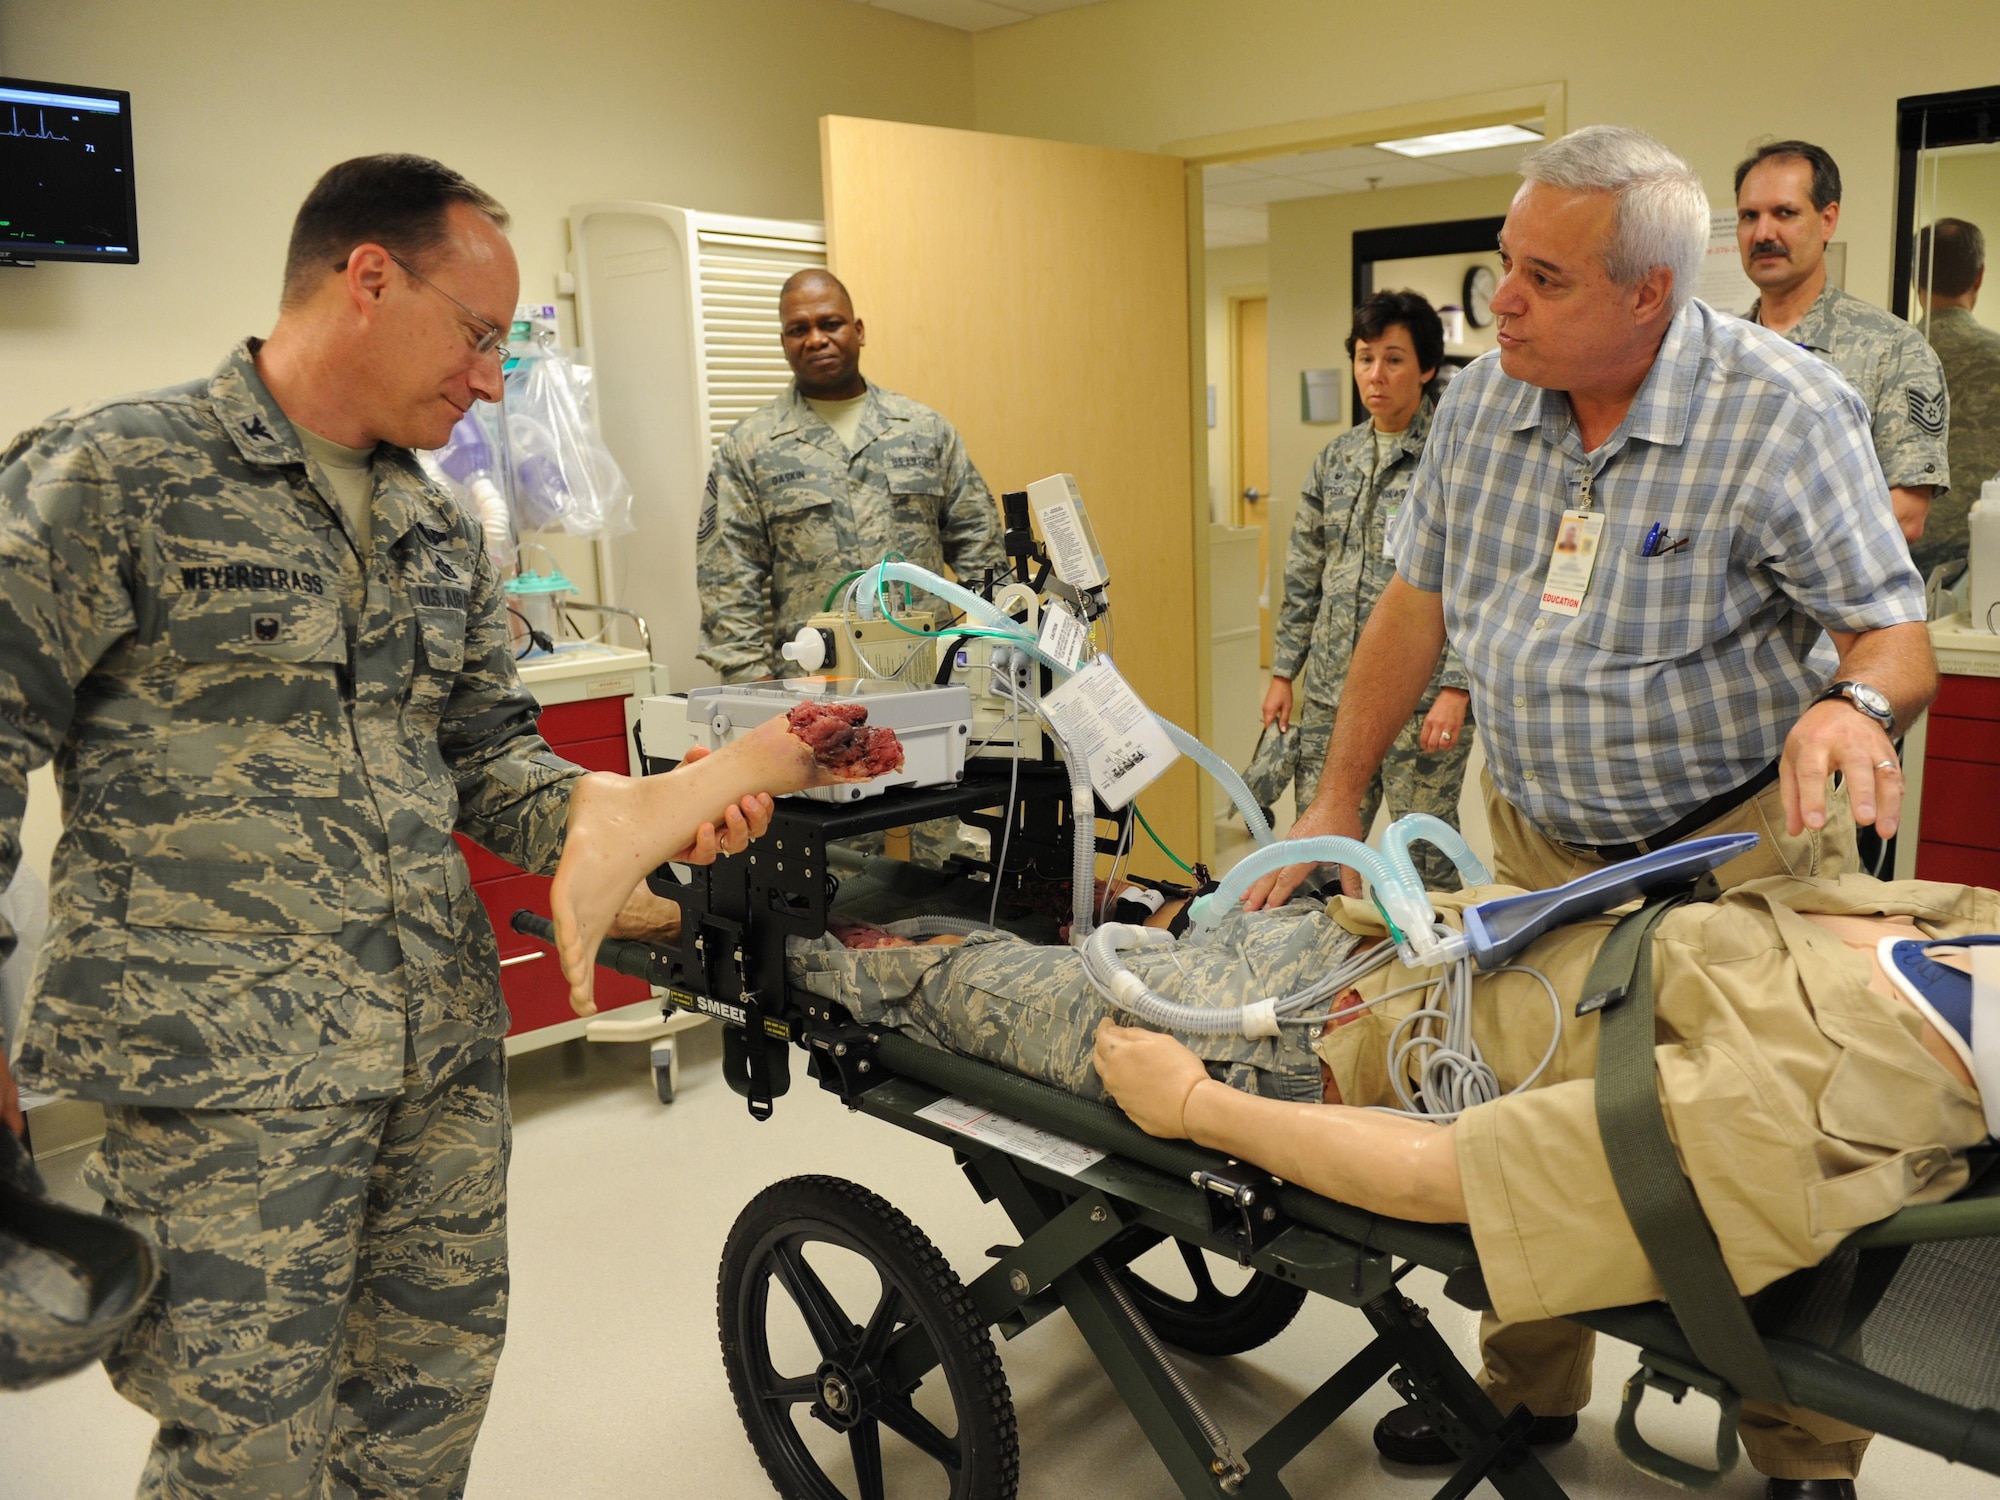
<point>612,1384</point>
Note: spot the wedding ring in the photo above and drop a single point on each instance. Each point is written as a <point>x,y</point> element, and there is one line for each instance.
<point>1887,765</point>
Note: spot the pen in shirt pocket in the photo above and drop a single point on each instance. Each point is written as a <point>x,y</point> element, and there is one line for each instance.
<point>1657,543</point>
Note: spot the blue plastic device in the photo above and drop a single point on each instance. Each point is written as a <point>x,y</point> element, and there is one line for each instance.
<point>1497,930</point>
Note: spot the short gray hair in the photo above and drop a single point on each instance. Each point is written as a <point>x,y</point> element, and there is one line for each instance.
<point>1662,209</point>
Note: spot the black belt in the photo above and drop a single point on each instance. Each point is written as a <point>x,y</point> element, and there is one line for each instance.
<point>1694,822</point>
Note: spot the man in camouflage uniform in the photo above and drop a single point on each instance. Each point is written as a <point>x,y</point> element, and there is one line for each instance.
<point>1787,208</point>
<point>1338,563</point>
<point>831,476</point>
<point>1950,270</point>
<point>270,662</point>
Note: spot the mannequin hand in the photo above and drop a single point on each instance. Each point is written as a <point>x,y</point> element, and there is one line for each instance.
<point>1149,1074</point>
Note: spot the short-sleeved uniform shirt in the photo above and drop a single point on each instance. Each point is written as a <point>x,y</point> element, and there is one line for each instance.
<point>791,510</point>
<point>263,740</point>
<point>1682,673</point>
<point>1802,1103</point>
<point>1896,375</point>
<point>1337,562</point>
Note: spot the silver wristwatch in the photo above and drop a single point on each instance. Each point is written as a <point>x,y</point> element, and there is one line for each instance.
<point>1870,701</point>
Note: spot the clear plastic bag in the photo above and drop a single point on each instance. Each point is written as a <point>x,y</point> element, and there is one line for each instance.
<point>563,474</point>
<point>469,466</point>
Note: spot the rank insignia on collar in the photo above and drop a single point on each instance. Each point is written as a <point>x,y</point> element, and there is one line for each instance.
<point>253,426</point>
<point>430,534</point>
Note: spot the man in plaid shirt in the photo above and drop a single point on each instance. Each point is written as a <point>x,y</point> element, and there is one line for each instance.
<point>1750,624</point>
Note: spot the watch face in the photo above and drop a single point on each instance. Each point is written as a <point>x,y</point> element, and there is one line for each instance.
<point>1480,284</point>
<point>1872,699</point>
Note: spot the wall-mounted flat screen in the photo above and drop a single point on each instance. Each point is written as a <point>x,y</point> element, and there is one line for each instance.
<point>66,173</point>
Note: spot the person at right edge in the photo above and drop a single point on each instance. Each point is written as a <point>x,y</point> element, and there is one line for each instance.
<point>1787,209</point>
<point>1751,626</point>
<point>1951,268</point>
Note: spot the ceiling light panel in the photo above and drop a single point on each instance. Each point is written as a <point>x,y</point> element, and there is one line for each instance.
<point>1462,140</point>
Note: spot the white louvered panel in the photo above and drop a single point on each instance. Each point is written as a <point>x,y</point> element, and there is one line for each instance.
<point>738,278</point>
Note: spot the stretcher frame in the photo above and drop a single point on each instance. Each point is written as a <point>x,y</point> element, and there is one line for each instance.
<point>1078,1231</point>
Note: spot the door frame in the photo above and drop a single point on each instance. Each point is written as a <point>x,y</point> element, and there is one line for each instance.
<point>1233,298</point>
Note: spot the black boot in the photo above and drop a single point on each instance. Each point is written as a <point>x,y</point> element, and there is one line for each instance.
<point>1808,1489</point>
<point>1406,1436</point>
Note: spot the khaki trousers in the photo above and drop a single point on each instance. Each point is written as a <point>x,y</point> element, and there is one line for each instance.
<point>1546,1365</point>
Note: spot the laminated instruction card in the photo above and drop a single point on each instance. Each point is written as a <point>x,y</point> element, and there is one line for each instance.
<point>1100,718</point>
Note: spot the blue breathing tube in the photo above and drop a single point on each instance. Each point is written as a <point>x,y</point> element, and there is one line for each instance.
<point>869,585</point>
<point>1406,830</point>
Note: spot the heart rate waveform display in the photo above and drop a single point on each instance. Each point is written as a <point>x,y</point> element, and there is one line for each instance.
<point>66,190</point>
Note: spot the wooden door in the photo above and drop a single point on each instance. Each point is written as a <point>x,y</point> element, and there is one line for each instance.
<point>1036,294</point>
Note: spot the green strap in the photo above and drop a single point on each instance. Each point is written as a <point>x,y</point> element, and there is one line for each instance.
<point>1657,1196</point>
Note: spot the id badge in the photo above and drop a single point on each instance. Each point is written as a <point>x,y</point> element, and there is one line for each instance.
<point>1575,554</point>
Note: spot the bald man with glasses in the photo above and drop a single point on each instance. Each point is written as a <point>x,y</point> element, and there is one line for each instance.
<point>270,662</point>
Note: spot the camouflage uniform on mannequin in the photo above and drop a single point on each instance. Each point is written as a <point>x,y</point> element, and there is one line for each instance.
<point>830,477</point>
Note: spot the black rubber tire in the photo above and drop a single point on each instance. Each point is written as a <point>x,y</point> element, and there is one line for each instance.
<point>663,1083</point>
<point>1213,1321</point>
<point>982,1458</point>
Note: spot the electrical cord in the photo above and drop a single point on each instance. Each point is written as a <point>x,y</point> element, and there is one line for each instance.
<point>537,639</point>
<point>1007,821</point>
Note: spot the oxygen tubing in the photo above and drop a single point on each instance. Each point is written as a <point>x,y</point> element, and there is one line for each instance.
<point>1406,830</point>
<point>936,926</point>
<point>1390,886</point>
<point>1082,848</point>
<point>978,609</point>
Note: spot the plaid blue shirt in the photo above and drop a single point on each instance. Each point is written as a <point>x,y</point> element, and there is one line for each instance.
<point>1683,673</point>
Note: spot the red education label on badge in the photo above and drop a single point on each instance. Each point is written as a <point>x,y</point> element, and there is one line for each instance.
<point>1571,561</point>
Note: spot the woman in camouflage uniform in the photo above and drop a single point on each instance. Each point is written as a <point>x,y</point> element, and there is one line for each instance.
<point>1338,565</point>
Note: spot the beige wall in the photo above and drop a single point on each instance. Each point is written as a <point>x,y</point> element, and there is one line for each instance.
<point>1312,301</point>
<point>1139,73</point>
<point>239,106</point>
<point>1440,281</point>
<point>1236,271</point>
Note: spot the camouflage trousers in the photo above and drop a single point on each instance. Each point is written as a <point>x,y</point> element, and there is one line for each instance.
<point>335,1289</point>
<point>1031,1010</point>
<point>1409,780</point>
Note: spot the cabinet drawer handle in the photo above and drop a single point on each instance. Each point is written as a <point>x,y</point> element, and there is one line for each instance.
<point>522,958</point>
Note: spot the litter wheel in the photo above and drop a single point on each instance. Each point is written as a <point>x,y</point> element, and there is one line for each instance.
<point>1213,1321</point>
<point>868,1373</point>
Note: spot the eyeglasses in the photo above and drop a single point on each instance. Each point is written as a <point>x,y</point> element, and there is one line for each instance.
<point>494,336</point>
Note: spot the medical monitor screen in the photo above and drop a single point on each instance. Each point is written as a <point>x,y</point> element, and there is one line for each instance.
<point>66,173</point>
